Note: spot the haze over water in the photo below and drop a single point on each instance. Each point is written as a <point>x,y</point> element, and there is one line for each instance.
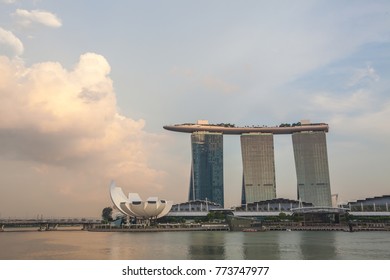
<point>79,245</point>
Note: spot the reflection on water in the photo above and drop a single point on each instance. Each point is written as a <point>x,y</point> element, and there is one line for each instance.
<point>289,246</point>
<point>260,245</point>
<point>194,245</point>
<point>318,245</point>
<point>210,246</point>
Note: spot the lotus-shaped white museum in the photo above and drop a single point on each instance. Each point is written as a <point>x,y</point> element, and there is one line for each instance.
<point>134,206</point>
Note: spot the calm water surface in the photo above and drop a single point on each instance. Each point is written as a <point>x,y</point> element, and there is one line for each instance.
<point>275,245</point>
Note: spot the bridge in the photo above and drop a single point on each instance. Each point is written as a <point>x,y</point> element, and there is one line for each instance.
<point>49,224</point>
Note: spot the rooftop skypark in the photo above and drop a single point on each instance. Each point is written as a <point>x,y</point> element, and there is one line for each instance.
<point>284,128</point>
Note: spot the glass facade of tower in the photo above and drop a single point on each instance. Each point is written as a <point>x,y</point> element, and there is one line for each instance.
<point>258,160</point>
<point>311,162</point>
<point>206,181</point>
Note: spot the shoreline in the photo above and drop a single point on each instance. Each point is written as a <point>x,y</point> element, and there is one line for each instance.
<point>218,227</point>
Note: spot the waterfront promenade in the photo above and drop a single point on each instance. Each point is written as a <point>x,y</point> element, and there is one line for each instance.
<point>95,225</point>
<point>47,224</point>
<point>345,228</point>
<point>162,228</point>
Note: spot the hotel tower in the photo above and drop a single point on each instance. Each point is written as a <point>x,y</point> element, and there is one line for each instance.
<point>258,161</point>
<point>206,180</point>
<point>258,182</point>
<point>311,165</point>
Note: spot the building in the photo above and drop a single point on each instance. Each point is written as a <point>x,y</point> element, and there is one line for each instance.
<point>134,206</point>
<point>311,163</point>
<point>273,205</point>
<point>195,206</point>
<point>371,204</point>
<point>206,179</point>
<point>258,182</point>
<point>257,147</point>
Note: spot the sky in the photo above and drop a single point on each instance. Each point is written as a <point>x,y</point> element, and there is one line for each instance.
<point>86,87</point>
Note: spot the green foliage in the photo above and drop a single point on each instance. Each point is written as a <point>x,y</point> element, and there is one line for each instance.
<point>372,219</point>
<point>282,216</point>
<point>225,124</point>
<point>215,216</point>
<point>290,125</point>
<point>107,214</point>
<point>297,218</point>
<point>172,220</point>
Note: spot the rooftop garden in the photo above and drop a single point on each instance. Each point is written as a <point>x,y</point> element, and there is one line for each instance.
<point>290,125</point>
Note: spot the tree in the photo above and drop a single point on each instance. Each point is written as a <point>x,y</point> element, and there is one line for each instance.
<point>107,214</point>
<point>282,216</point>
<point>215,215</point>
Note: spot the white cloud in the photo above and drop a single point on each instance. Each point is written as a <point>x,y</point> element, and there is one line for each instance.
<point>209,82</point>
<point>373,124</point>
<point>9,43</point>
<point>362,114</point>
<point>357,101</point>
<point>63,131</point>
<point>363,75</point>
<point>219,85</point>
<point>9,1</point>
<point>27,18</point>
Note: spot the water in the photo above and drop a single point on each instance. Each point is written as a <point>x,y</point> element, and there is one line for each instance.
<point>275,245</point>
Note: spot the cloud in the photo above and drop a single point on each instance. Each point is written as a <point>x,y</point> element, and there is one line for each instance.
<point>209,82</point>
<point>362,114</point>
<point>61,130</point>
<point>356,101</point>
<point>27,18</point>
<point>219,85</point>
<point>371,125</point>
<point>184,72</point>
<point>363,75</point>
<point>9,43</point>
<point>9,1</point>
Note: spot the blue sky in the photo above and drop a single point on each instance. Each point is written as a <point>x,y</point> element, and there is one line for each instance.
<point>87,87</point>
